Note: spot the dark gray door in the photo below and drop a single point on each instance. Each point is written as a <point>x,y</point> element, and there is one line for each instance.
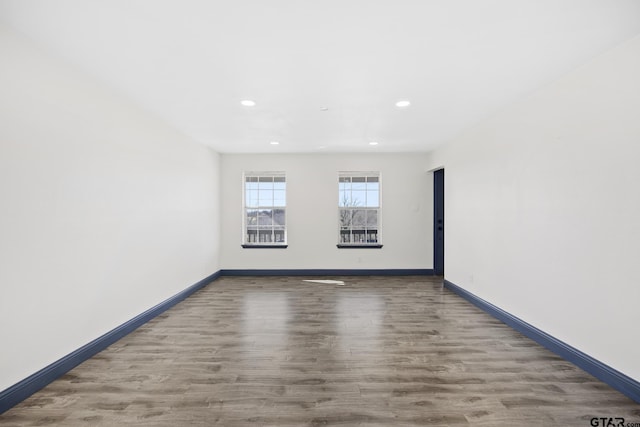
<point>438,222</point>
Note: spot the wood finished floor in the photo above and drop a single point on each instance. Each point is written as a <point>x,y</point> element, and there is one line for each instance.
<point>379,351</point>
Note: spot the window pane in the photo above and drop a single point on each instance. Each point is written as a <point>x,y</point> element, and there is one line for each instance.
<point>265,235</point>
<point>373,186</point>
<point>252,235</point>
<point>265,186</point>
<point>345,236</point>
<point>372,236</point>
<point>278,179</point>
<point>358,183</point>
<point>279,185</point>
<point>358,198</point>
<point>251,185</point>
<point>251,179</point>
<point>372,219</point>
<point>373,179</point>
<point>345,217</point>
<point>251,198</point>
<point>344,198</point>
<point>252,217</point>
<point>358,219</point>
<point>278,234</point>
<point>265,198</point>
<point>279,217</point>
<point>373,200</point>
<point>279,198</point>
<point>265,217</point>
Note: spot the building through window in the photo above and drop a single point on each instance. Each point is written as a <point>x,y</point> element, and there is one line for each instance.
<point>265,209</point>
<point>359,208</point>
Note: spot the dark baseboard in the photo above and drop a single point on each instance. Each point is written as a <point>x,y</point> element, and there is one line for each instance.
<point>265,246</point>
<point>621,382</point>
<point>25,388</point>
<point>364,246</point>
<point>332,272</point>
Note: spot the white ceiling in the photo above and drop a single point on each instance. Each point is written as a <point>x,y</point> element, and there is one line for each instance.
<point>192,61</point>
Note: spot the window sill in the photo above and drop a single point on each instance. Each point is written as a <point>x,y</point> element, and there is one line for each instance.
<point>284,246</point>
<point>359,246</point>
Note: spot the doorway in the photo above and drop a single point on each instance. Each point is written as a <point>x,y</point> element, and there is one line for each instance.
<point>438,222</point>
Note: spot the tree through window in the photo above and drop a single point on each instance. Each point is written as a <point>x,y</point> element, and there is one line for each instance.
<point>359,208</point>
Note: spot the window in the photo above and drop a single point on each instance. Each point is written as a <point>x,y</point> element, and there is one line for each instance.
<point>359,209</point>
<point>265,210</point>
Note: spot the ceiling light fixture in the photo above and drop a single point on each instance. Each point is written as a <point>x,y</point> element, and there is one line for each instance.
<point>403,104</point>
<point>248,103</point>
<point>274,143</point>
<point>373,143</point>
<point>324,108</point>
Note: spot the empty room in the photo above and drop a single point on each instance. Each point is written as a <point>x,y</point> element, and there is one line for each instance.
<point>296,213</point>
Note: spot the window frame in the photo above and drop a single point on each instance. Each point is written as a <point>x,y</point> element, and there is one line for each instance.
<point>377,244</point>
<point>258,176</point>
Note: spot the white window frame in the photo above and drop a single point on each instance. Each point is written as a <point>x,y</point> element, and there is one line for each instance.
<point>252,201</point>
<point>363,238</point>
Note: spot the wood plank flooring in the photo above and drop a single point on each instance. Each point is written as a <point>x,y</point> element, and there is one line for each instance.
<point>277,351</point>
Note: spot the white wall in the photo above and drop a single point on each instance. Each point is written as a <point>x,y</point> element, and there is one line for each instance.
<point>104,210</point>
<point>312,212</point>
<point>543,209</point>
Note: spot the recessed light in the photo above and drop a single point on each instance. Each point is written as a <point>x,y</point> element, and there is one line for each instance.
<point>248,103</point>
<point>324,108</point>
<point>403,103</point>
<point>373,143</point>
<point>274,143</point>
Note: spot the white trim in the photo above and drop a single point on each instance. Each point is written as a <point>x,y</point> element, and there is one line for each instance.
<point>361,174</point>
<point>366,174</point>
<point>263,173</point>
<point>273,227</point>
